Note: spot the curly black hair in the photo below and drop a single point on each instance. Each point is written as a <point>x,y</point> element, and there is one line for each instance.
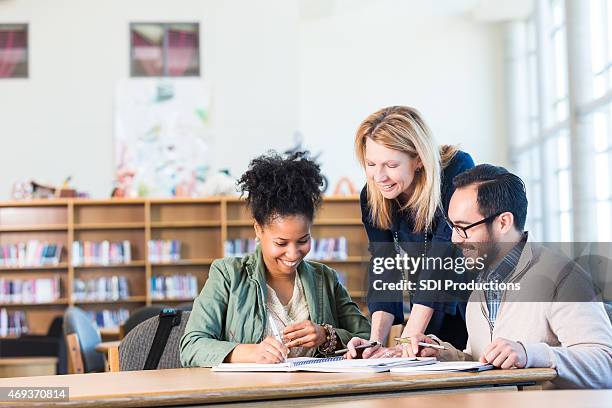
<point>277,186</point>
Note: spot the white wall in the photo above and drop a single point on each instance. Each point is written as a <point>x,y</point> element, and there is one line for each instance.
<point>271,73</point>
<point>393,53</point>
<point>59,121</point>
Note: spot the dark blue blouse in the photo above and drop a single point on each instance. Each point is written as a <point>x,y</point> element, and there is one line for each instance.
<point>403,229</point>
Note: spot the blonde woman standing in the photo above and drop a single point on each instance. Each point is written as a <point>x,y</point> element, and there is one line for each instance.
<point>403,205</point>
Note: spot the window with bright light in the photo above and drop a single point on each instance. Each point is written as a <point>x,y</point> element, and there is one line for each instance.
<point>540,136</point>
<point>601,46</point>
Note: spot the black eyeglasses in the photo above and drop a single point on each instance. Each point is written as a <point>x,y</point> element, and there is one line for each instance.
<point>462,231</point>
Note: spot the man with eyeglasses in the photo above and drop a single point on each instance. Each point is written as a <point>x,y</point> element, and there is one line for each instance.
<point>541,325</point>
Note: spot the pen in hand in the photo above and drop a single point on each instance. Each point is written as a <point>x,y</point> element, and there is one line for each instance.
<point>358,348</point>
<point>405,340</point>
<point>276,332</point>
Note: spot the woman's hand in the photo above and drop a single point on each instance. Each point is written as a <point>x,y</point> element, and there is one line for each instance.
<point>304,334</point>
<point>269,351</point>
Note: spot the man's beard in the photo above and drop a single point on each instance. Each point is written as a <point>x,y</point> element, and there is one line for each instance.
<point>488,251</point>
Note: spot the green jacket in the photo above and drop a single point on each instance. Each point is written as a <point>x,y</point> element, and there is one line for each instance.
<point>231,308</point>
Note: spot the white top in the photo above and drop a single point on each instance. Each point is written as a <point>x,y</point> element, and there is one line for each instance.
<point>295,311</point>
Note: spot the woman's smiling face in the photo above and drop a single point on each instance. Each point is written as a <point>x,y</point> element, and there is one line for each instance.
<point>284,242</point>
<point>391,170</point>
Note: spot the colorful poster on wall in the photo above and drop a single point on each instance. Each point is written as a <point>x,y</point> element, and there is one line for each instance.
<point>162,137</point>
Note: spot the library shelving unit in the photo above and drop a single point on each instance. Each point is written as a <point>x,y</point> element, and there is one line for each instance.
<point>202,225</point>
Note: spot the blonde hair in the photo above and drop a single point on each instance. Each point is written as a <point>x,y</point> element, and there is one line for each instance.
<point>402,128</point>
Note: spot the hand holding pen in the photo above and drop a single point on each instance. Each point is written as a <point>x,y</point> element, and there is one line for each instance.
<point>420,346</point>
<point>274,346</point>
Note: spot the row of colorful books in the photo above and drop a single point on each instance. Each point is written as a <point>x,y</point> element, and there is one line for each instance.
<point>107,319</point>
<point>38,290</point>
<point>101,288</point>
<point>30,253</point>
<point>12,323</point>
<point>101,253</point>
<point>328,248</point>
<point>321,248</point>
<point>174,286</point>
<point>239,246</point>
<point>161,251</point>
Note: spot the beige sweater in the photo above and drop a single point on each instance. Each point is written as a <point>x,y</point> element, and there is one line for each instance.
<point>575,338</point>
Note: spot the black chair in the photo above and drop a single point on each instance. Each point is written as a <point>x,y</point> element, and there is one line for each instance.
<point>52,344</point>
<point>134,348</point>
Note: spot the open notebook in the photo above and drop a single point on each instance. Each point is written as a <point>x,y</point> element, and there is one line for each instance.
<point>445,367</point>
<point>329,365</point>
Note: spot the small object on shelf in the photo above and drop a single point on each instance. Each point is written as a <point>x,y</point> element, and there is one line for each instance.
<point>219,184</point>
<point>164,251</point>
<point>103,253</point>
<point>174,287</point>
<point>28,190</point>
<point>345,186</point>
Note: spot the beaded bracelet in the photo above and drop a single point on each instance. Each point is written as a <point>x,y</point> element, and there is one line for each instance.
<point>331,341</point>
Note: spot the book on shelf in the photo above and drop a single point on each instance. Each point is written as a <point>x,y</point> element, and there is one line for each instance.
<point>31,253</point>
<point>12,323</point>
<point>328,248</point>
<point>35,290</point>
<point>101,253</point>
<point>164,251</point>
<point>102,288</point>
<point>174,286</point>
<point>107,319</point>
<point>239,246</point>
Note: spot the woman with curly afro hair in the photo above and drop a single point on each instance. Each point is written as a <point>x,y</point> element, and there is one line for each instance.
<point>246,300</point>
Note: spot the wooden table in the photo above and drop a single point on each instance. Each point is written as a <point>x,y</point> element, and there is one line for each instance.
<point>557,399</point>
<point>200,385</point>
<point>27,366</point>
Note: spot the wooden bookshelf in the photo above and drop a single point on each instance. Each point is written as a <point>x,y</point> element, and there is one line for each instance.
<point>202,225</point>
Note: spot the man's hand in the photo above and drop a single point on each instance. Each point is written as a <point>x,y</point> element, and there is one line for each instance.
<point>505,354</point>
<point>413,349</point>
<point>356,341</point>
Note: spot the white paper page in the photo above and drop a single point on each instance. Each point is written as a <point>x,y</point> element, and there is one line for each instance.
<point>441,366</point>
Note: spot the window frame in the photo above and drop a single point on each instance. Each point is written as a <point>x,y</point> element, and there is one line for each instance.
<point>165,26</point>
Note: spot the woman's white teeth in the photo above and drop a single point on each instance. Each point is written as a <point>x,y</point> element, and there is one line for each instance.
<point>289,263</point>
<point>388,186</point>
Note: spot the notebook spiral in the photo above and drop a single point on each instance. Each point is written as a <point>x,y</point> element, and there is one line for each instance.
<point>316,361</point>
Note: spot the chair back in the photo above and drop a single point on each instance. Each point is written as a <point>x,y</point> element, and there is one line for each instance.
<point>185,306</point>
<point>140,315</point>
<point>134,348</point>
<point>77,322</point>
